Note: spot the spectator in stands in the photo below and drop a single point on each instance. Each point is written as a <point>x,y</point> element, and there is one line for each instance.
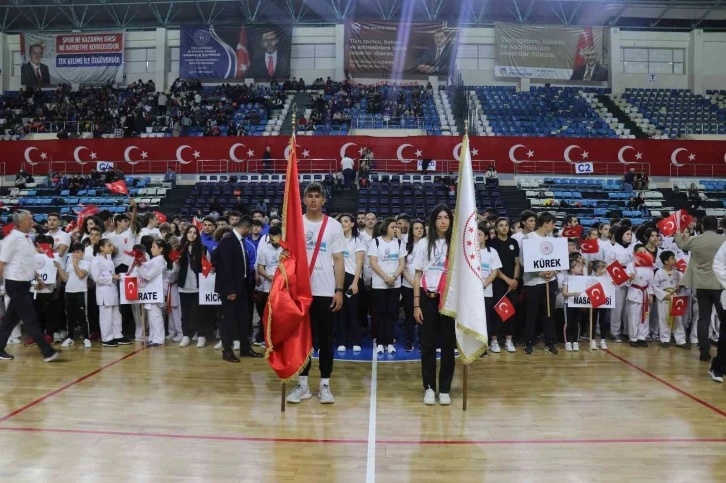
<point>694,198</point>
<point>94,176</point>
<point>118,175</point>
<point>21,179</point>
<point>491,176</point>
<point>216,206</point>
<point>260,207</point>
<point>161,103</point>
<point>267,159</point>
<point>170,177</point>
<point>348,168</point>
<point>629,180</point>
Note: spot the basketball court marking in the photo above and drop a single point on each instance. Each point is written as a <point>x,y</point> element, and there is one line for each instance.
<point>666,383</point>
<point>70,384</point>
<point>371,464</point>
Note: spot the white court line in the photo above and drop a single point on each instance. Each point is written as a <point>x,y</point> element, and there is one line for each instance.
<point>371,465</point>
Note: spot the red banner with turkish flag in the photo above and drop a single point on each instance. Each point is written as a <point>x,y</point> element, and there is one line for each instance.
<point>504,308</point>
<point>589,247</point>
<point>118,187</point>
<point>206,266</point>
<point>131,288</point>
<point>596,294</point>
<point>681,265</point>
<point>679,305</point>
<point>571,231</point>
<point>617,273</point>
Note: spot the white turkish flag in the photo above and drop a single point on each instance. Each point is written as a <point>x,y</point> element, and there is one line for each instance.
<point>463,295</point>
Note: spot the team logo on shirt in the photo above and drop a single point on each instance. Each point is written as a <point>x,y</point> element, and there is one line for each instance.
<point>511,247</point>
<point>310,243</point>
<point>39,263</point>
<point>546,248</point>
<point>142,282</point>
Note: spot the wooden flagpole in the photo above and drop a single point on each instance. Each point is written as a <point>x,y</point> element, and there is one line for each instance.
<point>547,289</point>
<point>466,383</point>
<point>282,396</point>
<point>591,326</point>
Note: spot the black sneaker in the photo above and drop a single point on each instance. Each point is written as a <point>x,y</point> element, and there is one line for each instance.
<point>642,343</point>
<point>123,341</point>
<point>55,355</point>
<point>704,357</point>
<point>633,343</point>
<point>4,356</point>
<point>109,343</point>
<point>485,354</point>
<point>686,346</point>
<point>551,349</point>
<point>616,338</point>
<point>665,345</point>
<point>529,348</point>
<point>715,375</point>
<point>409,347</point>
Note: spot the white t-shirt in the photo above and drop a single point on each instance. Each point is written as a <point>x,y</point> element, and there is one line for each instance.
<point>388,254</point>
<point>124,242</point>
<point>350,254</point>
<point>489,262</point>
<point>150,231</point>
<point>434,267</point>
<point>409,267</point>
<point>366,261</point>
<point>268,257</point>
<point>60,238</point>
<point>346,163</point>
<point>75,284</point>
<point>323,278</point>
<point>50,284</point>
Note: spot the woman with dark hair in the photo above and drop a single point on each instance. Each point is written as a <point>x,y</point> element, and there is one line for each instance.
<point>430,261</point>
<point>621,252</point>
<point>490,265</point>
<point>190,266</point>
<point>349,327</point>
<point>416,233</point>
<point>88,223</point>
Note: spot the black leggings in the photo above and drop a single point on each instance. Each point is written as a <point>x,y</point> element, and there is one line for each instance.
<point>437,330</point>
<point>572,324</point>
<point>409,323</point>
<point>76,306</point>
<point>348,325</point>
<point>321,324</point>
<point>386,306</point>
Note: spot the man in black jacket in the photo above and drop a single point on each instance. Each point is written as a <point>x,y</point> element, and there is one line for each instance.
<point>34,73</point>
<point>270,63</point>
<point>592,71</point>
<point>231,262</point>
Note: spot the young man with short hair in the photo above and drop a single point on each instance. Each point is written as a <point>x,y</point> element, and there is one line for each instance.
<point>403,221</point>
<point>61,239</point>
<point>209,224</point>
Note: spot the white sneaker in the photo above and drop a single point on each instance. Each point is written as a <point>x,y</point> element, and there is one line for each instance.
<point>356,348</point>
<point>576,346</point>
<point>298,394</point>
<point>326,397</point>
<point>444,399</point>
<point>438,351</point>
<point>218,346</point>
<point>379,349</point>
<point>170,337</point>
<point>14,340</point>
<point>178,338</point>
<point>593,345</point>
<point>235,344</point>
<point>509,346</point>
<point>67,343</point>
<point>87,343</point>
<point>603,345</point>
<point>184,342</point>
<point>429,397</point>
<point>341,348</point>
<point>201,342</point>
<point>391,349</point>
<point>456,352</point>
<point>495,347</point>
<point>568,346</point>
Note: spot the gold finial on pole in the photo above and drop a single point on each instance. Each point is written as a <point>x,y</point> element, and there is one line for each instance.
<point>466,127</point>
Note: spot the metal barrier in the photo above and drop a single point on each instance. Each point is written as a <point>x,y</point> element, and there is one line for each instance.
<point>72,167</point>
<point>600,168</point>
<point>58,126</point>
<point>698,170</point>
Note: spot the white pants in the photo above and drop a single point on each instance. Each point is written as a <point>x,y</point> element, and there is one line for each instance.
<point>156,323</point>
<point>175,327</point>
<point>665,331</point>
<point>109,318</point>
<point>636,329</point>
<point>139,334</point>
<point>618,315</point>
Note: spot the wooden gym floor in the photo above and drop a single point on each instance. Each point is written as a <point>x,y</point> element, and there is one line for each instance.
<point>183,415</point>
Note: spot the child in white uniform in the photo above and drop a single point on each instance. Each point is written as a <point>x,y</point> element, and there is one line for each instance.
<point>639,299</point>
<point>620,251</point>
<point>107,298</point>
<point>665,286</point>
<point>149,270</point>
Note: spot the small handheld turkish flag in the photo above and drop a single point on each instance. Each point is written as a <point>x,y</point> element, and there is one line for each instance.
<point>160,216</point>
<point>139,256</point>
<point>678,306</point>
<point>668,226</point>
<point>643,259</point>
<point>617,273</point>
<point>504,308</point>
<point>589,246</point>
<point>131,288</point>
<point>684,219</point>
<point>47,249</point>
<point>197,223</point>
<point>118,187</point>
<point>174,255</point>
<point>681,265</point>
<point>206,266</point>
<point>71,226</point>
<point>572,231</point>
<point>596,293</point>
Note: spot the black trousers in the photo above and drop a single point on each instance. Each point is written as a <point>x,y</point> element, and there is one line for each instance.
<point>386,305</point>
<point>76,305</point>
<point>706,300</point>
<point>47,312</point>
<point>321,324</point>
<point>20,307</point>
<point>436,331</point>
<point>260,304</point>
<point>235,324</point>
<point>572,324</point>
<point>536,304</point>
<point>92,310</point>
<point>128,323</point>
<point>602,317</point>
<point>409,322</point>
<point>348,325</point>
<point>363,304</point>
<point>192,318</point>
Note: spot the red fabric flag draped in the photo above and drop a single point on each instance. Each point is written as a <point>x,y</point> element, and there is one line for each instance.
<point>243,57</point>
<point>596,294</point>
<point>504,308</point>
<point>206,267</point>
<point>174,255</point>
<point>131,288</point>
<point>118,187</point>
<point>684,219</point>
<point>197,223</point>
<point>287,314</point>
<point>681,265</point>
<point>617,273</point>
<point>643,259</point>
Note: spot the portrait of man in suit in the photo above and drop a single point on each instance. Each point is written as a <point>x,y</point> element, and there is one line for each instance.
<point>35,73</point>
<point>272,62</point>
<point>436,58</point>
<point>592,71</point>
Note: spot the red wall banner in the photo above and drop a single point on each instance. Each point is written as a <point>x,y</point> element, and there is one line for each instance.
<point>518,155</point>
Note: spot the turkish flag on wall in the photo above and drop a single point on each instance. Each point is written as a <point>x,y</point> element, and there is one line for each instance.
<point>206,266</point>
<point>572,231</point>
<point>131,288</point>
<point>589,246</point>
<point>504,308</point>
<point>583,42</point>
<point>596,293</point>
<point>678,306</point>
<point>243,58</point>
<point>617,273</point>
<point>118,187</point>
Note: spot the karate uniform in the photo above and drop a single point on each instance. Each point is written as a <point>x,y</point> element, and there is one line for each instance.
<point>149,270</point>
<point>618,316</point>
<point>664,283</point>
<point>637,305</point>
<point>107,298</point>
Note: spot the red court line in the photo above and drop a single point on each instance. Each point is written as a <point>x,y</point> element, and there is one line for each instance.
<point>70,384</point>
<point>364,441</point>
<point>666,383</point>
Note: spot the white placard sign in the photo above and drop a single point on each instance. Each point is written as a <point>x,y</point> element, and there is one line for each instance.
<point>207,295</point>
<point>545,255</point>
<point>151,292</point>
<point>584,168</point>
<point>45,268</point>
<point>580,284</point>
<point>103,166</point>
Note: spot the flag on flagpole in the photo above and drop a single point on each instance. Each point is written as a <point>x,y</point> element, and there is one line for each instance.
<point>463,298</point>
<point>585,41</point>
<point>286,319</point>
<point>243,57</point>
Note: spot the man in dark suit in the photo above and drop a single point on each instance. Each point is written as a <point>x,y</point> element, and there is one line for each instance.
<point>436,59</point>
<point>592,71</point>
<point>231,262</point>
<point>34,73</point>
<point>270,63</point>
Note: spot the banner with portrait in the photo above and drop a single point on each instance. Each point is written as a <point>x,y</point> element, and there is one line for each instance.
<point>259,52</point>
<point>382,48</point>
<point>551,52</point>
<point>71,58</point>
